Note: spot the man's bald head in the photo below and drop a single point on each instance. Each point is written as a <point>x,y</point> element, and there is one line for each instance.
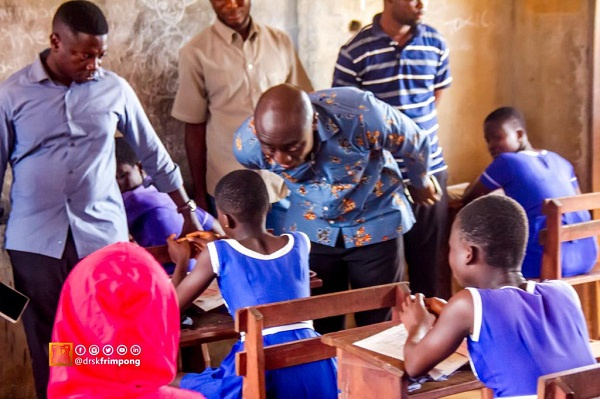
<point>283,119</point>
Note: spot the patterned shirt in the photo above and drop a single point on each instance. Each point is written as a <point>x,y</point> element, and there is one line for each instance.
<point>405,77</point>
<point>350,184</point>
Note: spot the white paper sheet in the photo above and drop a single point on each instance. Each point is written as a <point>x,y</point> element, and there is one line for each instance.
<point>391,342</point>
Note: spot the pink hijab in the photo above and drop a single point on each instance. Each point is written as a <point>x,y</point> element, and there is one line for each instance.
<point>119,295</point>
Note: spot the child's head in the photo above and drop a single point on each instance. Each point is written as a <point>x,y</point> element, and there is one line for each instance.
<point>118,296</point>
<point>241,198</point>
<point>130,174</point>
<point>504,131</point>
<point>489,232</point>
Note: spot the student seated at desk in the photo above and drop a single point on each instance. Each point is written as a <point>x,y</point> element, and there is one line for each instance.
<point>530,176</point>
<point>151,215</point>
<point>516,330</point>
<point>118,296</point>
<point>252,268</point>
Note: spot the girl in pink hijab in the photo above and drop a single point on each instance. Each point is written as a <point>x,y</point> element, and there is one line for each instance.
<point>118,297</point>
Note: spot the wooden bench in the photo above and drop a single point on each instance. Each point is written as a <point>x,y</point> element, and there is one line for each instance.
<point>556,233</point>
<point>252,363</point>
<point>582,382</point>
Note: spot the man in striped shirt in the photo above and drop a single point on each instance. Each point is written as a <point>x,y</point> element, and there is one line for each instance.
<point>405,63</point>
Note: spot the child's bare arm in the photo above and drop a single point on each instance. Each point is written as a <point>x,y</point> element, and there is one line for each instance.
<point>429,343</point>
<point>475,190</point>
<point>196,282</point>
<point>180,252</point>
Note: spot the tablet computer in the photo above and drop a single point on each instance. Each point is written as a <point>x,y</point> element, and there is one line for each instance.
<point>12,303</point>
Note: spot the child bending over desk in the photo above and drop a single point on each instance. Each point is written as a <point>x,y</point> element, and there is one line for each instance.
<point>530,176</point>
<point>516,330</point>
<point>117,297</point>
<point>252,268</point>
<point>151,215</point>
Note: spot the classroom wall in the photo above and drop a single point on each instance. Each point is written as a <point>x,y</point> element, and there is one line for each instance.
<point>535,54</point>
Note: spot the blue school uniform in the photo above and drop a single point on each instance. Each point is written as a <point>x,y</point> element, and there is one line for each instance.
<point>248,278</point>
<point>529,177</point>
<point>521,335</point>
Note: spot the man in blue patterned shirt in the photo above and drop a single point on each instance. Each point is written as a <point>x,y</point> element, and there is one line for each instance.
<point>334,150</point>
<point>405,63</point>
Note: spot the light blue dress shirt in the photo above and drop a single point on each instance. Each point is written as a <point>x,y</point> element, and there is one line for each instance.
<point>59,142</point>
<point>351,184</point>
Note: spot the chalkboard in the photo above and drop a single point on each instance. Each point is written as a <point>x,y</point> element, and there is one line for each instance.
<point>144,40</point>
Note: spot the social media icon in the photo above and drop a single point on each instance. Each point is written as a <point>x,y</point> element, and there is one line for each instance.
<point>80,350</point>
<point>94,350</point>
<point>122,350</point>
<point>108,350</point>
<point>135,350</point>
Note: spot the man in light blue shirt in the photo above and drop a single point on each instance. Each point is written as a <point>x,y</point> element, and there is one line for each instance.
<point>334,150</point>
<point>58,117</point>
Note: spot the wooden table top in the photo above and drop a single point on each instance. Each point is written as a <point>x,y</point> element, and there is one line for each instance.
<point>460,381</point>
<point>216,324</point>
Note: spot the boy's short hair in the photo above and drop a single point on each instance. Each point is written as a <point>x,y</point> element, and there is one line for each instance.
<point>82,16</point>
<point>503,114</point>
<point>124,153</point>
<point>243,194</point>
<point>498,225</point>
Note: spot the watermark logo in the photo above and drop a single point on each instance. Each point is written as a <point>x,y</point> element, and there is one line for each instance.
<point>80,350</point>
<point>122,350</point>
<point>135,350</point>
<point>94,350</point>
<point>108,350</point>
<point>61,353</point>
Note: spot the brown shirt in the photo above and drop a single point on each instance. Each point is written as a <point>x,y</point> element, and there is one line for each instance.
<point>221,78</point>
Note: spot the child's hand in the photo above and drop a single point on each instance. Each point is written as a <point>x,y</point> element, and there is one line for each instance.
<point>201,239</point>
<point>435,305</point>
<point>179,251</point>
<point>414,315</point>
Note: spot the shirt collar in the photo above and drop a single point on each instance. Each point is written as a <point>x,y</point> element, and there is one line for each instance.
<point>38,72</point>
<point>379,33</point>
<point>326,126</point>
<point>229,34</point>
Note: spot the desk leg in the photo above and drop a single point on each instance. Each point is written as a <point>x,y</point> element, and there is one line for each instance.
<point>359,379</point>
<point>192,358</point>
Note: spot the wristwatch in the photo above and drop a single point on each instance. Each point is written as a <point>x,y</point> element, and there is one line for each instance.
<point>189,206</point>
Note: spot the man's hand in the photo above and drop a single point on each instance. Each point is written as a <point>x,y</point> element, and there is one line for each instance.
<point>428,195</point>
<point>190,223</point>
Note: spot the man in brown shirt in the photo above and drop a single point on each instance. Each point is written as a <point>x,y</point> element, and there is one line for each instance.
<point>222,73</point>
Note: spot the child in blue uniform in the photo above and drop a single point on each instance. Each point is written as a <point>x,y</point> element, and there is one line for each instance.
<point>252,268</point>
<point>516,330</point>
<point>530,176</point>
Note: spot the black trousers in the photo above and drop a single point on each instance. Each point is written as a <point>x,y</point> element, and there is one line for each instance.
<point>41,278</point>
<point>423,243</point>
<point>359,267</point>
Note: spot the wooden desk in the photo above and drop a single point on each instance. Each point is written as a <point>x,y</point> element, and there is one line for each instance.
<point>366,374</point>
<point>214,325</point>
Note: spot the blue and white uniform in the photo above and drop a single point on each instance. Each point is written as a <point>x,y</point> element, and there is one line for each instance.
<point>529,177</point>
<point>520,335</point>
<point>248,278</point>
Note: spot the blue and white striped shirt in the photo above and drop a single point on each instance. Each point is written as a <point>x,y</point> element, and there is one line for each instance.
<point>404,77</point>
